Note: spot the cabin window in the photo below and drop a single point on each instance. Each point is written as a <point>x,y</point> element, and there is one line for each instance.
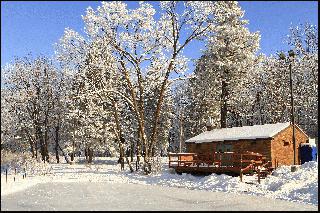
<point>229,148</point>
<point>254,142</point>
<point>224,147</point>
<point>286,143</point>
<point>220,147</point>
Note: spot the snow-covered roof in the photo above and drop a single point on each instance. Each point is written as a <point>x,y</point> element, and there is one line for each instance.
<point>308,144</point>
<point>237,133</point>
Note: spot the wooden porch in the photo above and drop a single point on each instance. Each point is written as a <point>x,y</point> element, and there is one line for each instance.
<point>221,163</point>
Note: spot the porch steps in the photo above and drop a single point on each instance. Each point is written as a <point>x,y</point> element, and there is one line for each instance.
<point>263,175</point>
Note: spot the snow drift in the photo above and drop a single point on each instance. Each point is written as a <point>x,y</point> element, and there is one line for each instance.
<point>298,186</point>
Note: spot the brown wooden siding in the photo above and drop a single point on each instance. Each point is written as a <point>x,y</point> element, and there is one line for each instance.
<point>262,146</point>
<point>282,146</point>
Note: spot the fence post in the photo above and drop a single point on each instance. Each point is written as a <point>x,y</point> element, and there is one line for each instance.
<point>7,175</point>
<point>213,158</point>
<point>240,175</point>
<point>259,176</point>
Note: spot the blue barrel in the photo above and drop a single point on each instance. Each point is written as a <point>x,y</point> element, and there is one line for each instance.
<point>307,153</point>
<point>314,153</point>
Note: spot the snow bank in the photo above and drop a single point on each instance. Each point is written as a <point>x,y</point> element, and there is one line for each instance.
<point>18,165</point>
<point>299,186</point>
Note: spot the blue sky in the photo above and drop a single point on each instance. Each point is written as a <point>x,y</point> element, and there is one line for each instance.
<point>36,26</point>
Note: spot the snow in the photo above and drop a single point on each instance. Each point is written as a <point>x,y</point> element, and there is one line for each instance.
<point>308,144</point>
<point>101,196</point>
<point>312,141</point>
<point>299,186</point>
<point>237,133</point>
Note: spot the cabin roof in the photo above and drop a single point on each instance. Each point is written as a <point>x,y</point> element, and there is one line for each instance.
<point>240,133</point>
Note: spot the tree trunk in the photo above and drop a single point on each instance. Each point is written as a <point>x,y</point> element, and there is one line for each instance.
<point>260,111</point>
<point>223,108</point>
<point>138,157</point>
<point>131,151</point>
<point>40,138</point>
<point>57,142</point>
<point>64,154</point>
<point>152,151</point>
<point>73,143</point>
<point>181,131</point>
<point>90,155</point>
<point>36,149</point>
<point>46,146</point>
<point>86,153</point>
<point>154,134</point>
<point>118,133</point>
<point>31,142</point>
<point>139,110</point>
<point>129,164</point>
<point>122,155</point>
<point>46,137</point>
<point>32,149</point>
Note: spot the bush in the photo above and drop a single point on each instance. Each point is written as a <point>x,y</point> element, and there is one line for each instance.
<point>20,161</point>
<point>154,166</point>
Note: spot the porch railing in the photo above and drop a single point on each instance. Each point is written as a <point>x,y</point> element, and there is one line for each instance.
<point>217,159</point>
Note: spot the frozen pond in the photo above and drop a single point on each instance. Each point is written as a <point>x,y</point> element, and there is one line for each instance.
<point>119,196</point>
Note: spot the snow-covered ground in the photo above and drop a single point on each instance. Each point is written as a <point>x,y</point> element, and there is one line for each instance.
<point>299,186</point>
<point>89,196</point>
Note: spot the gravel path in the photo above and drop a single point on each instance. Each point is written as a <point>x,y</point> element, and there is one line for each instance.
<point>114,196</point>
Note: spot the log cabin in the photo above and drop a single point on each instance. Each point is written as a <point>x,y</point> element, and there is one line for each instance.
<point>271,140</point>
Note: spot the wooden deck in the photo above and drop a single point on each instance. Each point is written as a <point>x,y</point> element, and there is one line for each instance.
<point>221,163</point>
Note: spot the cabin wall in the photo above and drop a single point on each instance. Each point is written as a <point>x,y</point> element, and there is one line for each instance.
<point>201,147</point>
<point>262,146</point>
<point>282,146</point>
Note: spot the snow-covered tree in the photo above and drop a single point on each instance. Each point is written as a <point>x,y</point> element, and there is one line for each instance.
<point>29,89</point>
<point>271,82</point>
<point>303,39</point>
<point>219,89</point>
<point>183,107</point>
<point>10,132</point>
<point>90,106</point>
<point>142,47</point>
<point>271,91</point>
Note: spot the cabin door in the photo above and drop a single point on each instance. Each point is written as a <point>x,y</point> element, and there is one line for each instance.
<point>226,158</point>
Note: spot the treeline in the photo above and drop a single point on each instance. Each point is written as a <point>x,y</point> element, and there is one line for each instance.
<point>237,94</point>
